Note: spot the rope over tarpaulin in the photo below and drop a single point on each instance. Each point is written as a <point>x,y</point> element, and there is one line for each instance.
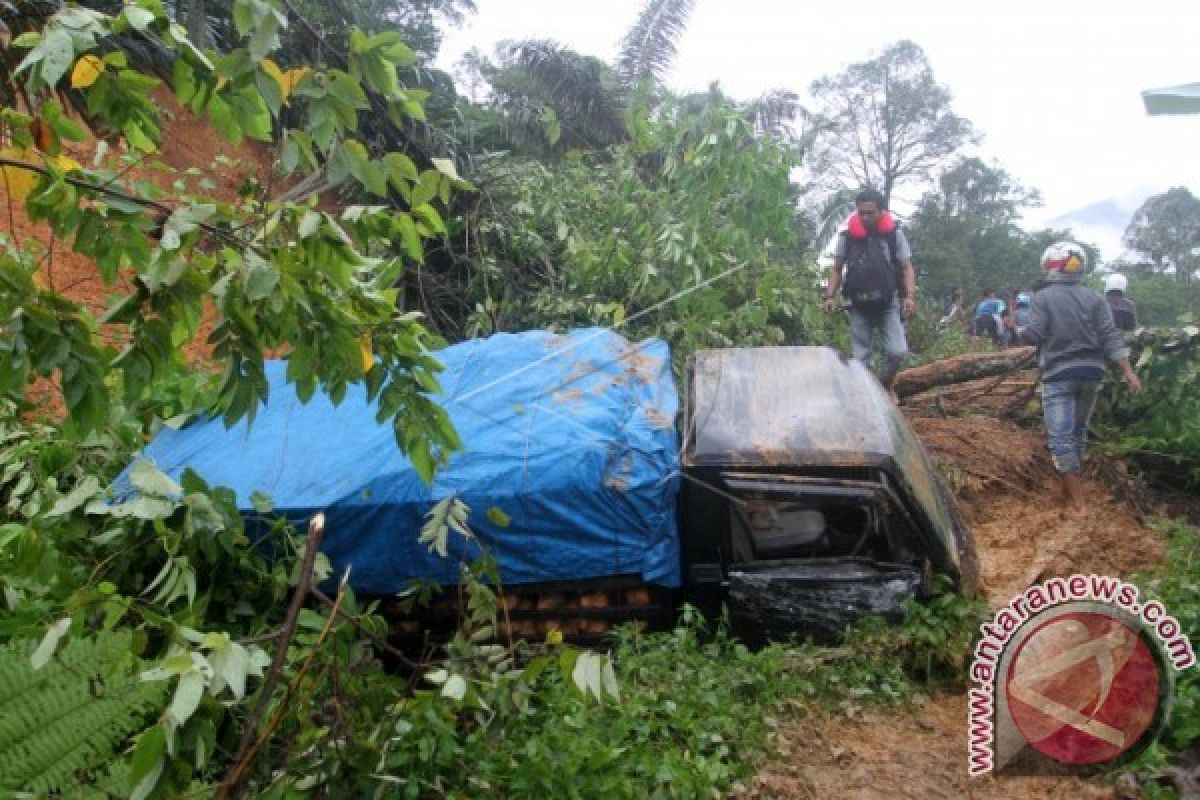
<point>579,455</point>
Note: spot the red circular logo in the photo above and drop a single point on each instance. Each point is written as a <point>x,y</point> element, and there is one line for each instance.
<point>1083,688</point>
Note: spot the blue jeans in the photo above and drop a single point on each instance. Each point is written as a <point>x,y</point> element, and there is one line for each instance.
<point>1067,407</point>
<point>895,344</point>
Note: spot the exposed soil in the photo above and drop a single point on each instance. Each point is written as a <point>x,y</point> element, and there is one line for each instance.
<point>917,752</point>
<point>1005,484</point>
<point>188,142</point>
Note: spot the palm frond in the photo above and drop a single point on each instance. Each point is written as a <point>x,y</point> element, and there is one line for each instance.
<point>649,47</point>
<point>582,90</point>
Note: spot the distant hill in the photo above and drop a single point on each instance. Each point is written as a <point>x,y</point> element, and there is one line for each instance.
<point>1105,214</point>
<point>1101,223</point>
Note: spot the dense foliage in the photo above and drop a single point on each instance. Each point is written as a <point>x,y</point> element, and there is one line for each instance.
<point>1160,299</point>
<point>1159,430</point>
<point>696,201</point>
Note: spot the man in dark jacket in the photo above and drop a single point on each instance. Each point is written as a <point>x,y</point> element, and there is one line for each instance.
<point>1073,328</point>
<point>1123,311</point>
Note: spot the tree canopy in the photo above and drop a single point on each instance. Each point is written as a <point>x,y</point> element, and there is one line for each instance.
<point>884,122</point>
<point>1166,229</point>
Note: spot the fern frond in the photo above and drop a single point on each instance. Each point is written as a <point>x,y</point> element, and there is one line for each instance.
<point>71,715</point>
<point>649,47</point>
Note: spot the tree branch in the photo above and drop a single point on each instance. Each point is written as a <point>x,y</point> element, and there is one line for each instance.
<point>146,202</point>
<point>379,642</point>
<point>316,528</point>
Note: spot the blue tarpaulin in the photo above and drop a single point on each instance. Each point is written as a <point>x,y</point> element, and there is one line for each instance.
<point>571,436</point>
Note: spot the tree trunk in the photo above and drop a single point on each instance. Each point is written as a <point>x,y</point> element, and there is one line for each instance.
<point>959,369</point>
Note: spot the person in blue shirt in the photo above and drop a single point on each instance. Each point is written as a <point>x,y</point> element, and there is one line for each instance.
<point>987,316</point>
<point>1022,314</point>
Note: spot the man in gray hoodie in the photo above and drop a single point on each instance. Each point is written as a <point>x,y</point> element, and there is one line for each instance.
<point>1073,327</point>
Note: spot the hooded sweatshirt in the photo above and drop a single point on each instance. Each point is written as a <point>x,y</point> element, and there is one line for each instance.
<point>1074,328</point>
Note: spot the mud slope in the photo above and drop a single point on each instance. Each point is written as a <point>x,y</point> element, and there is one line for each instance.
<point>1003,479</point>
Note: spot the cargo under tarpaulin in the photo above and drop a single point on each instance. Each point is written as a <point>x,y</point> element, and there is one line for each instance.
<point>570,437</point>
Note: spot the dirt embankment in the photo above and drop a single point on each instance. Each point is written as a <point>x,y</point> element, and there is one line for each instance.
<point>1006,486</point>
<point>192,153</point>
<point>218,169</point>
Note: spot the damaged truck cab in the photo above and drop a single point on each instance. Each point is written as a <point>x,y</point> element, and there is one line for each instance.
<point>809,501</point>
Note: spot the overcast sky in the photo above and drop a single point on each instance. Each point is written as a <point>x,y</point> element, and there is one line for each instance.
<point>1053,85</point>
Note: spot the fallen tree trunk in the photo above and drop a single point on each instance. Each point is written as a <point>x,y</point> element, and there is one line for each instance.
<point>960,369</point>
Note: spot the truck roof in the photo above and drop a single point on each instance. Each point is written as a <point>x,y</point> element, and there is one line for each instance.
<point>786,406</point>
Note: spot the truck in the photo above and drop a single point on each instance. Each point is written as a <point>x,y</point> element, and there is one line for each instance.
<point>786,487</point>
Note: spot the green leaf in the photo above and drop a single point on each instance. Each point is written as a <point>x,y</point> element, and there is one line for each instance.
<point>587,674</point>
<point>28,39</point>
<point>187,697</point>
<point>422,460</point>
<point>498,517</point>
<point>309,224</point>
<point>183,78</point>
<point>139,18</point>
<point>85,490</point>
<point>183,221</point>
<point>426,188</point>
<point>244,15</point>
<point>446,167</point>
<point>429,215</point>
<point>289,157</point>
<point>608,677</point>
<point>359,161</point>
<point>261,279</point>
<point>400,169</point>
<point>137,138</point>
<point>222,117</point>
<point>63,125</point>
<point>346,90</point>
<point>149,479</point>
<point>231,665</point>
<point>45,651</point>
<point>262,502</point>
<point>410,237</point>
<point>58,54</point>
<point>148,761</point>
<point>394,48</point>
<point>455,687</point>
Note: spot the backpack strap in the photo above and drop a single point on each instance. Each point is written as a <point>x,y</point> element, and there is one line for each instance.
<point>892,242</point>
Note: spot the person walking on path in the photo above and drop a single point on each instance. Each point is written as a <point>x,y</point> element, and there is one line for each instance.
<point>1074,330</point>
<point>1123,310</point>
<point>879,282</point>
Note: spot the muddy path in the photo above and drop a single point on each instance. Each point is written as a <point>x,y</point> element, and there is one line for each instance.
<point>1003,479</point>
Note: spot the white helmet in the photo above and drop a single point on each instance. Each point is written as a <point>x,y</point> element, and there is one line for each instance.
<point>1065,258</point>
<point>1115,282</point>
